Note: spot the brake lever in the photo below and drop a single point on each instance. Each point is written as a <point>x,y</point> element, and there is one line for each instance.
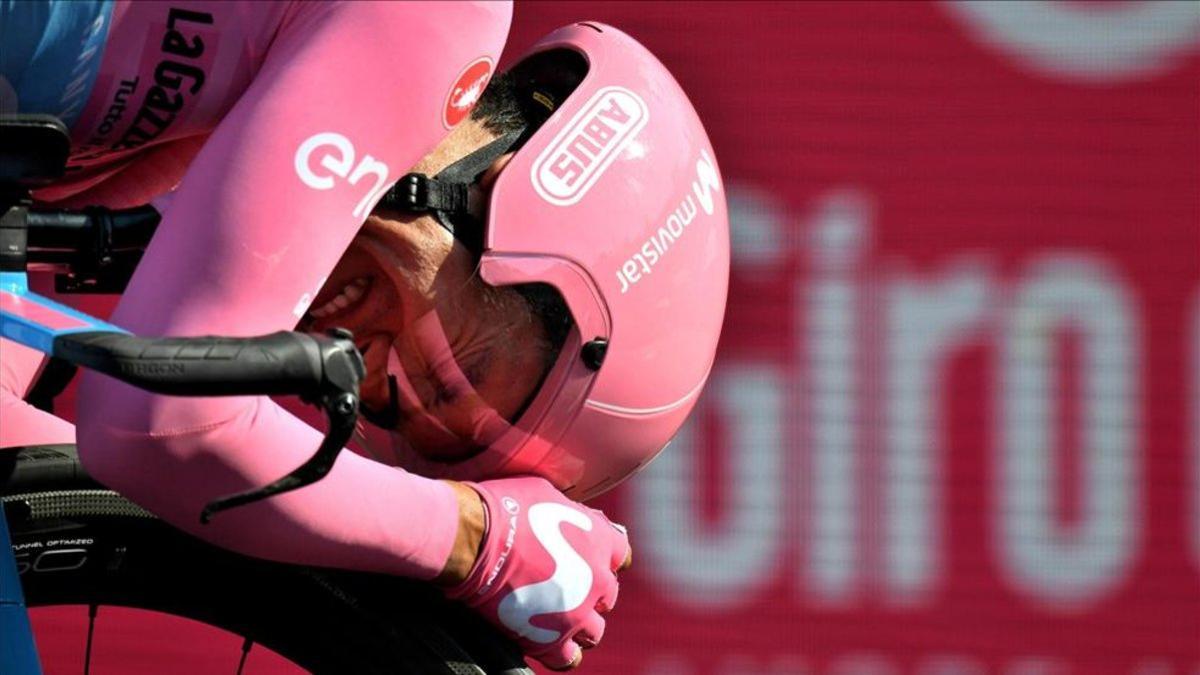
<point>338,396</point>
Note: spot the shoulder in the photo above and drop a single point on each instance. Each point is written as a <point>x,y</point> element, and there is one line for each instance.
<point>429,23</point>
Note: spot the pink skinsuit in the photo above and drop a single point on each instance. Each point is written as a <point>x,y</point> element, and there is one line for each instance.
<point>219,100</point>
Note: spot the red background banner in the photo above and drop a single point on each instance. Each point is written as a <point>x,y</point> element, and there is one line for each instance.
<point>954,427</point>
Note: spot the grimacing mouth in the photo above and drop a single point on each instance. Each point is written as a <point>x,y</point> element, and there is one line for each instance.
<point>372,267</point>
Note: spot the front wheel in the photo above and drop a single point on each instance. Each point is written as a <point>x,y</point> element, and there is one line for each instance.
<point>77,543</point>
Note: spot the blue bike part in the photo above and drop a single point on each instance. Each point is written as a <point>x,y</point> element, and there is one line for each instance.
<point>30,327</point>
<point>18,652</point>
<point>52,53</point>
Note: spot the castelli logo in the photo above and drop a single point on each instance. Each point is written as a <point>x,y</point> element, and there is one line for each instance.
<point>465,93</point>
<point>576,158</point>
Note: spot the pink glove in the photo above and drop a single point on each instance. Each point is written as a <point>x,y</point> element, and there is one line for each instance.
<point>546,570</point>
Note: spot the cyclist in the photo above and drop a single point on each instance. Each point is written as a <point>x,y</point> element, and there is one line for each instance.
<point>503,355</point>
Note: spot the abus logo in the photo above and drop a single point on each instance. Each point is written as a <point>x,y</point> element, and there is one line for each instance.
<point>335,154</point>
<point>580,153</point>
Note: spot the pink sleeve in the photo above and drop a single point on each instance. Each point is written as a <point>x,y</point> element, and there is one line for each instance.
<point>20,423</point>
<point>350,95</point>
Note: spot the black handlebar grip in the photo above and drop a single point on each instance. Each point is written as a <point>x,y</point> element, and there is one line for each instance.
<point>277,364</point>
<point>130,229</point>
<point>92,231</point>
<point>58,231</point>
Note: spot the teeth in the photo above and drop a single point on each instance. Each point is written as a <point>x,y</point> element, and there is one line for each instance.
<point>352,293</point>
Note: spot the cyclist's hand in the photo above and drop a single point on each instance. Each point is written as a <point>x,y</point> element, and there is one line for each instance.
<point>546,569</point>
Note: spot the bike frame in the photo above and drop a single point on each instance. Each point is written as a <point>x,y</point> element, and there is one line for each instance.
<point>34,321</point>
<point>17,648</point>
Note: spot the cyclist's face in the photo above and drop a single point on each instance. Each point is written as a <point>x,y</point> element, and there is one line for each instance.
<point>469,354</point>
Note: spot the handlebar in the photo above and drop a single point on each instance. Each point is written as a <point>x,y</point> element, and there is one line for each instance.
<point>322,370</point>
<point>276,364</point>
<point>93,250</point>
<point>89,239</point>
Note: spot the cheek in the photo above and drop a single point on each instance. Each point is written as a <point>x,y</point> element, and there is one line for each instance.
<point>424,246</point>
<point>402,252</point>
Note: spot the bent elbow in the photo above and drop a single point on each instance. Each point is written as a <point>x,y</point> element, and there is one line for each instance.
<point>113,433</point>
<point>96,437</point>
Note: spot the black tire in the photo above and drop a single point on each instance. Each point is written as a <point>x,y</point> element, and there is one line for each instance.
<point>77,543</point>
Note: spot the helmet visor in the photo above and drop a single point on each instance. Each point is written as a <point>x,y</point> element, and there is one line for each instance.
<point>454,384</point>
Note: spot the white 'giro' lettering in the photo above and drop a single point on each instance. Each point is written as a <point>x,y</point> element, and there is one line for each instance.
<point>878,338</point>
<point>1075,566</point>
<point>565,590</point>
<point>1075,43</point>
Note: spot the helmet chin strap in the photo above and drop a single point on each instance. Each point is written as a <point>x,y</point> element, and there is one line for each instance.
<point>453,195</point>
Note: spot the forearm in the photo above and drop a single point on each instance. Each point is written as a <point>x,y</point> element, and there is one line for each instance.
<point>363,515</point>
<point>19,367</point>
<point>244,247</point>
<point>20,423</point>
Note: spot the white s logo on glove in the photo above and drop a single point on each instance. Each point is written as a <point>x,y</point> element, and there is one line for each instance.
<point>565,590</point>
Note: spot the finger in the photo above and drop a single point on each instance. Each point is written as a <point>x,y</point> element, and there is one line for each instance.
<point>565,656</point>
<point>628,562</point>
<point>591,632</point>
<point>608,599</point>
<point>622,551</point>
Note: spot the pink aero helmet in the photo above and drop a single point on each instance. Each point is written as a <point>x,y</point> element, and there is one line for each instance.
<point>615,201</point>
